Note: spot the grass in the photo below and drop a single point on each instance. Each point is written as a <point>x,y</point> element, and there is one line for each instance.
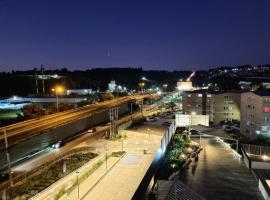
<point>118,137</point>
<point>7,114</point>
<point>118,153</point>
<point>61,193</point>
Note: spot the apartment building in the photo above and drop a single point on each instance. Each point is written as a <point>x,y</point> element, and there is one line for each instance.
<point>196,102</point>
<point>220,106</point>
<point>226,106</point>
<point>255,114</point>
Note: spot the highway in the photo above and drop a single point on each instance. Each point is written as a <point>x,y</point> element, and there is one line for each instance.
<point>24,130</point>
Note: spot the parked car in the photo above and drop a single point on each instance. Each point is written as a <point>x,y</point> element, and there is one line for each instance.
<point>150,119</point>
<point>228,129</point>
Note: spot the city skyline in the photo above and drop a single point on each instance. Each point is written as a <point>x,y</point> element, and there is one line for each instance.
<point>153,35</point>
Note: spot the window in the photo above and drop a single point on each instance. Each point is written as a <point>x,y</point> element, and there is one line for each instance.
<point>199,95</point>
<point>267,100</point>
<point>209,95</point>
<point>266,109</point>
<point>189,95</point>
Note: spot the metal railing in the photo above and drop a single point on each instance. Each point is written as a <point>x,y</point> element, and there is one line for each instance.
<point>256,149</point>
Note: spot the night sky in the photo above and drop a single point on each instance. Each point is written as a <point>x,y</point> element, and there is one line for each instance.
<point>165,34</point>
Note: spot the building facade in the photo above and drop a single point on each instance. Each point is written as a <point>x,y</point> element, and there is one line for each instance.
<point>255,114</point>
<point>196,102</point>
<point>226,106</point>
<point>220,106</point>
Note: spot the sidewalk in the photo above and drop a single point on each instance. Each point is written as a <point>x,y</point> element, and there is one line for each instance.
<point>125,177</point>
<point>91,180</point>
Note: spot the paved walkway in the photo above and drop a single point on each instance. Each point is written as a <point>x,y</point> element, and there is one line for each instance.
<point>122,180</point>
<point>220,175</point>
<point>91,180</point>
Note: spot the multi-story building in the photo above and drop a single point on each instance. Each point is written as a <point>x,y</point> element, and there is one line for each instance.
<point>196,102</point>
<point>226,106</point>
<point>220,106</point>
<point>255,114</point>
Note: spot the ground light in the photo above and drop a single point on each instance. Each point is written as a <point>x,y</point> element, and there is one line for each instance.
<point>264,157</point>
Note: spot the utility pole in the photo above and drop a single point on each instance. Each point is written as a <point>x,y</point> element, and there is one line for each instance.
<point>8,158</point>
<point>131,109</point>
<point>113,115</point>
<point>36,78</point>
<point>42,74</point>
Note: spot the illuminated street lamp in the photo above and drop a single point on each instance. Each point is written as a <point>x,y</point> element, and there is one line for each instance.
<point>57,90</point>
<point>142,84</point>
<point>165,86</point>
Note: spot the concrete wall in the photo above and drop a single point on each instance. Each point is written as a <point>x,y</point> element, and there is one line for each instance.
<point>260,165</point>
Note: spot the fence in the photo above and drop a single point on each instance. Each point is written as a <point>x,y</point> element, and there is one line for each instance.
<point>256,150</point>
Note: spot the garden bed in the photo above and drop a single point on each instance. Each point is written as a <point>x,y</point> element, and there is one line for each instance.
<point>46,177</point>
<point>179,151</point>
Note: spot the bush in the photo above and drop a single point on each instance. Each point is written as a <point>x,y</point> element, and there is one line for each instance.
<point>32,111</point>
<point>118,153</point>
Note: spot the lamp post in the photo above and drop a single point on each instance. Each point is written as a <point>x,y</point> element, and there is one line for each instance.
<point>142,84</point>
<point>57,90</point>
<point>165,86</point>
<point>8,158</point>
<point>78,184</point>
<point>106,154</point>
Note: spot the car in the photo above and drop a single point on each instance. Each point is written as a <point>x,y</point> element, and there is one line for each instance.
<point>150,119</point>
<point>92,130</point>
<point>57,145</point>
<point>228,129</point>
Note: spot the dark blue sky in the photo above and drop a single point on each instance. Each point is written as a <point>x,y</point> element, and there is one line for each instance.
<point>165,34</point>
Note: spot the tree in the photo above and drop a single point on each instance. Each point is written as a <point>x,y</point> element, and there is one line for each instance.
<point>31,111</point>
<point>61,107</point>
<point>106,96</point>
<point>171,105</point>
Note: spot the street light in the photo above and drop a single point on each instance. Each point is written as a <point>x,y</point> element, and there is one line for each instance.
<point>142,84</point>
<point>57,91</point>
<point>8,158</point>
<point>106,154</point>
<point>78,184</point>
<point>165,86</point>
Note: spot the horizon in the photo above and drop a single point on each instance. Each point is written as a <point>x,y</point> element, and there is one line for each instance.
<point>125,67</point>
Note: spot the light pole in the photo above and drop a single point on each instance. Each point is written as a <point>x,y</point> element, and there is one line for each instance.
<point>165,86</point>
<point>57,90</point>
<point>106,149</point>
<point>78,184</point>
<point>8,158</point>
<point>142,84</point>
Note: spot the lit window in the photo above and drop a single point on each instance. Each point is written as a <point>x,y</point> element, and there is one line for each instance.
<point>199,95</point>
<point>266,109</point>
<point>209,95</point>
<point>189,95</point>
